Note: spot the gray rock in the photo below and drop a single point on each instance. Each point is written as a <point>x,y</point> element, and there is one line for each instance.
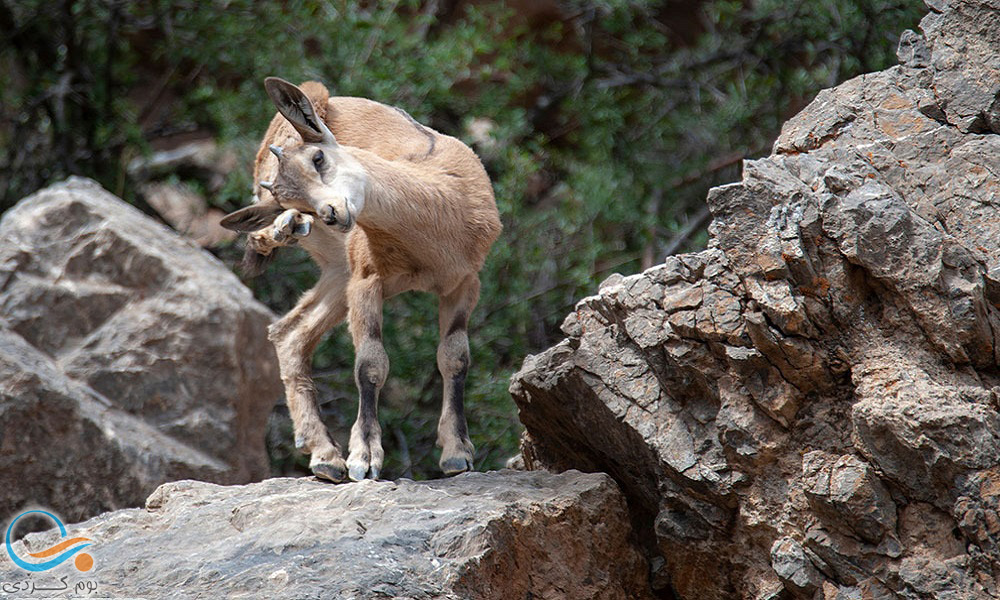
<point>977,511</point>
<point>923,435</point>
<point>913,50</point>
<point>128,357</point>
<point>963,37</point>
<point>847,310</point>
<point>847,491</point>
<point>187,212</point>
<point>789,561</point>
<point>492,535</point>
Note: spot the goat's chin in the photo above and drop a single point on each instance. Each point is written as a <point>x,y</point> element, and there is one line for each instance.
<point>341,226</point>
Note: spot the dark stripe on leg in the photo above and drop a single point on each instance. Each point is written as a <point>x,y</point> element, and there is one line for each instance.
<point>367,379</point>
<point>457,400</point>
<point>458,323</point>
<point>373,330</point>
<point>368,410</point>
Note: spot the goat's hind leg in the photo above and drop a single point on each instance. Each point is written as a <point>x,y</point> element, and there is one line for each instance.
<point>371,367</point>
<point>457,450</point>
<point>295,338</point>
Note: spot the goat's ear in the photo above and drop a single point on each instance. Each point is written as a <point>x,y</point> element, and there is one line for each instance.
<point>251,218</point>
<point>294,105</point>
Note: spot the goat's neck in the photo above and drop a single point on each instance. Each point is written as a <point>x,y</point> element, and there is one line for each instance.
<point>397,195</point>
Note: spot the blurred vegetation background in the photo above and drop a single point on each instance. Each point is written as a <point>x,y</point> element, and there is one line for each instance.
<point>602,124</point>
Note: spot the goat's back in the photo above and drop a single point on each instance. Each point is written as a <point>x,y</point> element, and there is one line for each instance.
<point>389,132</point>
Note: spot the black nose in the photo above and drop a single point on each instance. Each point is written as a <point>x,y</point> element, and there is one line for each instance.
<point>328,214</point>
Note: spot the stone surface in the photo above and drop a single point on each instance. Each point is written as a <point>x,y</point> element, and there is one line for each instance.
<point>847,492</point>
<point>809,407</point>
<point>186,211</point>
<point>793,567</point>
<point>128,357</point>
<point>496,535</point>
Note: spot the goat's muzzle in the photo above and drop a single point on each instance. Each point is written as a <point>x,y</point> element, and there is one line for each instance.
<point>342,220</point>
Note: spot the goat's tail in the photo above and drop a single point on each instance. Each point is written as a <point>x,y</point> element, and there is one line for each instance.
<point>254,263</point>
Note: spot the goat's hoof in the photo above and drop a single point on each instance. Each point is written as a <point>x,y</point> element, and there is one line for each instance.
<point>302,229</point>
<point>335,472</point>
<point>289,226</point>
<point>453,465</point>
<point>283,225</point>
<point>365,458</point>
<point>358,470</point>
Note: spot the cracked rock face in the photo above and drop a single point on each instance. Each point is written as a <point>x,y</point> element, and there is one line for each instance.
<point>498,535</point>
<point>128,357</point>
<point>809,407</point>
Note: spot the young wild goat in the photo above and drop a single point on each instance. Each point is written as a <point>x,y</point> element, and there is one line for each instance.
<point>383,205</point>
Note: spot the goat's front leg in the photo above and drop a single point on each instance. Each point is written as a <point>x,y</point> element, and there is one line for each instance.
<point>371,367</point>
<point>287,229</point>
<point>453,361</point>
<point>295,338</point>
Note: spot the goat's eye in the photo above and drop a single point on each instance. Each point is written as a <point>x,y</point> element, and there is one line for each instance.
<point>318,159</point>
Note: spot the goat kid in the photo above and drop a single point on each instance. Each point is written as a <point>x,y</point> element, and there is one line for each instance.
<point>383,205</point>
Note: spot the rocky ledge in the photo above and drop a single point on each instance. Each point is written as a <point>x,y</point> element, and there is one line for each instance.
<point>497,535</point>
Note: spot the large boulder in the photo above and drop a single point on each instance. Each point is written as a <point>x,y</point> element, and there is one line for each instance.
<point>128,357</point>
<point>479,535</point>
<point>809,407</point>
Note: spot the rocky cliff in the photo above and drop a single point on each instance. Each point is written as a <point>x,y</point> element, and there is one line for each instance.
<point>809,407</point>
<point>128,357</point>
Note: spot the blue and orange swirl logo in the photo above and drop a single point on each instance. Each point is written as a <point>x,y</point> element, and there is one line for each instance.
<point>62,551</point>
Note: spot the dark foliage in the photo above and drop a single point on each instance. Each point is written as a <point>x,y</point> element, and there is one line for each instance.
<point>602,124</point>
